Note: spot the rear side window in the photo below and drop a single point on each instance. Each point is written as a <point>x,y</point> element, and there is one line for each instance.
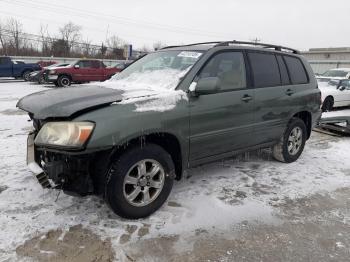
<point>265,69</point>
<point>283,71</point>
<point>296,70</point>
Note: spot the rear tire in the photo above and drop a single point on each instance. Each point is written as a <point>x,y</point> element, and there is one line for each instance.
<point>327,104</point>
<point>64,81</point>
<point>134,188</point>
<point>292,143</point>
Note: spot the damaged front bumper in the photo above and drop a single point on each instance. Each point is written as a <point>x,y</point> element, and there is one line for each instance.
<point>37,171</point>
<point>76,173</point>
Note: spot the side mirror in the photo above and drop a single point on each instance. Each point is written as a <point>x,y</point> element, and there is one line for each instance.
<point>206,85</point>
<point>343,84</point>
<point>76,66</point>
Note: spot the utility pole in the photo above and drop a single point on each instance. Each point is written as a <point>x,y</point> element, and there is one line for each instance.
<point>256,40</point>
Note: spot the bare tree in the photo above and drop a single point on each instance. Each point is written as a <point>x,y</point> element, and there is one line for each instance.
<point>3,38</point>
<point>15,29</point>
<point>87,48</point>
<point>70,33</point>
<point>115,42</point>
<point>46,41</point>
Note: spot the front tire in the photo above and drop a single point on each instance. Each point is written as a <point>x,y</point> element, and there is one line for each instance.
<point>292,143</point>
<point>41,80</point>
<point>64,81</point>
<point>327,104</point>
<point>140,181</point>
<point>25,75</point>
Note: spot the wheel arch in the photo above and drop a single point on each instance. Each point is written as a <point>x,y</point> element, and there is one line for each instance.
<point>306,117</point>
<point>26,70</point>
<point>169,142</point>
<point>65,74</point>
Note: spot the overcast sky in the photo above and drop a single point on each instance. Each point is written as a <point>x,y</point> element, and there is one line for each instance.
<point>296,23</point>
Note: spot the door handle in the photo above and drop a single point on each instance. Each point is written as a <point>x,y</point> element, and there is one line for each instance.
<point>246,98</point>
<point>289,92</point>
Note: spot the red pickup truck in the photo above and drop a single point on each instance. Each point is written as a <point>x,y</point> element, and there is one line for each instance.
<point>80,71</point>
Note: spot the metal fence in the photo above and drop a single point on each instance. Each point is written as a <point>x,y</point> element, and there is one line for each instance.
<point>35,59</point>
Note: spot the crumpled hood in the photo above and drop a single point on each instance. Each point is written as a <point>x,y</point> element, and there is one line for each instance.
<point>64,102</point>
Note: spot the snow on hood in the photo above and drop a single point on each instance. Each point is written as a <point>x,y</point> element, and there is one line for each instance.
<point>150,90</point>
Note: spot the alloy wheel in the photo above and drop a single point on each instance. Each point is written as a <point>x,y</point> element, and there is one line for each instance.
<point>143,182</point>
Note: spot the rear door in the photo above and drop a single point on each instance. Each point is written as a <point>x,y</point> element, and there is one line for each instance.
<point>273,95</point>
<point>223,121</point>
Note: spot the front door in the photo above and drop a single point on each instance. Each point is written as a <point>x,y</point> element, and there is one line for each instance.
<point>5,67</point>
<point>83,72</point>
<point>223,121</point>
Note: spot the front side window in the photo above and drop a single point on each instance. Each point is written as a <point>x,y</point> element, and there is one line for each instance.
<point>84,64</point>
<point>265,69</point>
<point>229,67</point>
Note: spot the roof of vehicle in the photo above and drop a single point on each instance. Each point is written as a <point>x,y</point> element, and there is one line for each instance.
<point>341,69</point>
<point>249,45</point>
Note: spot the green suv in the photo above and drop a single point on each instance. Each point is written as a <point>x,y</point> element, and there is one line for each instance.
<point>179,107</point>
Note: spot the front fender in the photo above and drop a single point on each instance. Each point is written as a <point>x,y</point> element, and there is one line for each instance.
<point>119,123</point>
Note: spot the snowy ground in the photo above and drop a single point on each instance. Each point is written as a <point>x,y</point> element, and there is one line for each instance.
<point>248,208</point>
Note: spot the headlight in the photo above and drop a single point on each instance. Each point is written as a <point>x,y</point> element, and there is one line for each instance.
<point>65,134</point>
<point>52,72</point>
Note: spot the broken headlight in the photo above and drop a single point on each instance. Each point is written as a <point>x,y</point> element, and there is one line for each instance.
<point>65,134</point>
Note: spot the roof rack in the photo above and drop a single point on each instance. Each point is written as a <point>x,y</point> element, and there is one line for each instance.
<point>201,43</point>
<point>276,47</point>
<point>227,43</point>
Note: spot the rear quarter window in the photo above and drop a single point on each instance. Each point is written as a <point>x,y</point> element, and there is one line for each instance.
<point>265,69</point>
<point>296,70</point>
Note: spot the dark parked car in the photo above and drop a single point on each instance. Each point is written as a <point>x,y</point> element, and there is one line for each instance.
<point>40,76</point>
<point>171,110</point>
<point>9,68</point>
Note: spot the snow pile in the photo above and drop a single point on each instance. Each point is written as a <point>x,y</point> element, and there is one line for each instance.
<point>150,90</point>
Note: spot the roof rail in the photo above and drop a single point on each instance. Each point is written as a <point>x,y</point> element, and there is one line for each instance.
<point>202,43</point>
<point>276,47</point>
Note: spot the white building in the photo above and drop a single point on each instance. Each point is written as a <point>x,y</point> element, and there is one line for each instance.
<point>322,59</point>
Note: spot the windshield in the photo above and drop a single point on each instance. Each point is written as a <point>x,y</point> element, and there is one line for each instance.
<point>162,69</point>
<point>336,73</point>
<point>334,82</point>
